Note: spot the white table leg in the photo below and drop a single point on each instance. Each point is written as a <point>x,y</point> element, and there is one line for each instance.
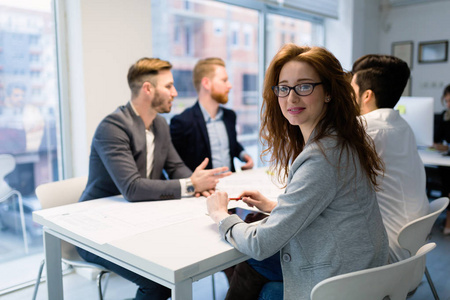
<point>52,246</point>
<point>182,290</point>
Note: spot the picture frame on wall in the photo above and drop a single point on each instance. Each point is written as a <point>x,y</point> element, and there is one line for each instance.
<point>404,51</point>
<point>433,51</point>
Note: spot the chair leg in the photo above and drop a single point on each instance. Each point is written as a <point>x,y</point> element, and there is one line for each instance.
<point>430,282</point>
<point>22,220</point>
<point>38,280</point>
<point>99,283</point>
<point>213,286</point>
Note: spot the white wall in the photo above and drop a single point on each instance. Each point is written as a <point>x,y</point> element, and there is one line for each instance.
<point>371,26</point>
<point>104,38</point>
<point>420,23</point>
<point>339,34</point>
<point>355,33</point>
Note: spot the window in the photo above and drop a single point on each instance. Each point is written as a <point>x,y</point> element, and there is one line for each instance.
<point>218,27</point>
<point>183,83</point>
<point>34,39</point>
<point>234,34</point>
<point>176,34</point>
<point>285,29</point>
<point>34,57</point>
<point>250,87</point>
<point>227,30</point>
<point>248,37</point>
<point>215,32</point>
<point>188,41</point>
<point>29,127</point>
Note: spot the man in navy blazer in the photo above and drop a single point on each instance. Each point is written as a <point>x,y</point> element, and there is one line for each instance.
<point>131,148</point>
<point>207,129</point>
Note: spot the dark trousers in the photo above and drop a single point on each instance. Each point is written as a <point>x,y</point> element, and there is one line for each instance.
<point>147,289</point>
<point>254,279</point>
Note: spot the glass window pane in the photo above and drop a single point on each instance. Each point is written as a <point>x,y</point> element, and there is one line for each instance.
<point>29,125</point>
<point>199,29</point>
<point>282,29</point>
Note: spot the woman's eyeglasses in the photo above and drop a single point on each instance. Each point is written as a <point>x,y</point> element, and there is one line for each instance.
<point>302,89</point>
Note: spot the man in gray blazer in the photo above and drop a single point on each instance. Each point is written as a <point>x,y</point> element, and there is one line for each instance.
<point>130,150</point>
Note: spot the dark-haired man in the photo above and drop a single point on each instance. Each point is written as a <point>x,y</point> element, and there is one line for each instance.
<point>379,81</point>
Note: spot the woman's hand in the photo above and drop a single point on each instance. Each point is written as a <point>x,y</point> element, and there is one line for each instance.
<point>217,205</point>
<point>255,198</point>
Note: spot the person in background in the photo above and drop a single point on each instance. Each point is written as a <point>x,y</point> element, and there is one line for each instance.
<point>328,221</point>
<point>208,129</point>
<point>379,81</point>
<point>442,125</point>
<point>131,148</point>
<point>441,134</point>
<point>13,137</point>
<point>21,123</point>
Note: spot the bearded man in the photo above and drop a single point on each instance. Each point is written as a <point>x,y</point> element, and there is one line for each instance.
<point>132,155</point>
<point>207,129</point>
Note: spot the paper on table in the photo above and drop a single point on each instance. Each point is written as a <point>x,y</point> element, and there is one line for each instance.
<point>107,221</point>
<point>257,179</point>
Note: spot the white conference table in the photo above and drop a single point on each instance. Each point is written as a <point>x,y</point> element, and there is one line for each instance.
<point>434,158</point>
<point>171,242</point>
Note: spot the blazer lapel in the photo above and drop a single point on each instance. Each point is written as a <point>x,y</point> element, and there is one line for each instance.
<point>140,141</point>
<point>229,127</point>
<point>158,152</point>
<point>198,118</point>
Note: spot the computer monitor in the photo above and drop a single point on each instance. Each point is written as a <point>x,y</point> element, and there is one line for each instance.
<point>419,113</point>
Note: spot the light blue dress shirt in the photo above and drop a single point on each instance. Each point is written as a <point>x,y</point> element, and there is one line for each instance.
<point>218,139</point>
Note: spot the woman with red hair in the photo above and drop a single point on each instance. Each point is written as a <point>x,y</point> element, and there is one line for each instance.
<point>328,221</point>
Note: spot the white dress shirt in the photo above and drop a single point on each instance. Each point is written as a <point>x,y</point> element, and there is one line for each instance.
<point>150,138</point>
<point>402,197</point>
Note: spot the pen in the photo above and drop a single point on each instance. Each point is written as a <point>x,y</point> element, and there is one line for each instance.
<point>237,198</point>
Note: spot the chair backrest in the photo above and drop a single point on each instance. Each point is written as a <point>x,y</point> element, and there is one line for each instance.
<point>386,282</point>
<point>7,165</point>
<point>415,234</point>
<point>62,193</point>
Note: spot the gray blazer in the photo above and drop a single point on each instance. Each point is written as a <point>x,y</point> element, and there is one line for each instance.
<point>118,160</point>
<point>326,223</point>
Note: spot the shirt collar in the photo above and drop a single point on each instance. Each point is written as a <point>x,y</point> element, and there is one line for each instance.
<point>136,112</point>
<point>207,117</point>
<point>134,108</point>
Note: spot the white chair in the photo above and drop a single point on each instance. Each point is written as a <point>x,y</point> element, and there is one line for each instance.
<point>391,281</point>
<point>62,193</point>
<point>7,165</point>
<point>416,233</point>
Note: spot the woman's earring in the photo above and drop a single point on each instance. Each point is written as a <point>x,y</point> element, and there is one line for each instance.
<point>327,99</point>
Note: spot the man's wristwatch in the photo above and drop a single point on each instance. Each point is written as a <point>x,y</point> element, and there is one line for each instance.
<point>190,189</point>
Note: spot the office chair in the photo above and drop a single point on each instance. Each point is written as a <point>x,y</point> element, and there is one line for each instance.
<point>416,233</point>
<point>62,193</point>
<point>391,281</point>
<point>7,165</point>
